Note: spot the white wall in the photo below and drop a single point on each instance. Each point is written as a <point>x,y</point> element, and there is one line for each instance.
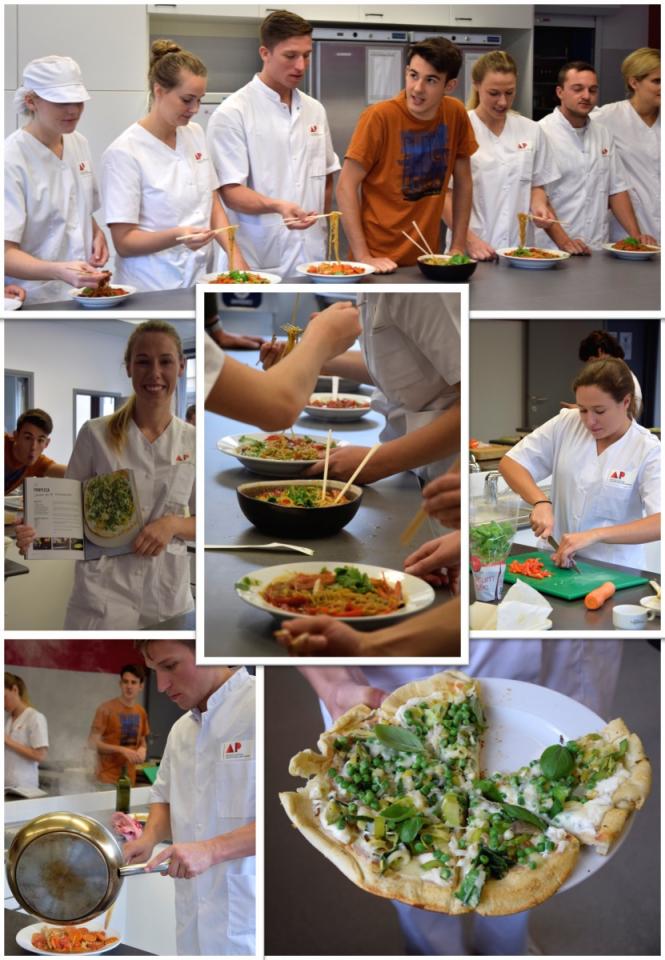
<point>497,379</point>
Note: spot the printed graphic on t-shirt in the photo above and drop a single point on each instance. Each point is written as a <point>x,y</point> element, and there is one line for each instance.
<point>424,162</point>
<point>129,729</point>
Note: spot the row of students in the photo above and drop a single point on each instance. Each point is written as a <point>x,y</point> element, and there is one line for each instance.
<point>269,158</point>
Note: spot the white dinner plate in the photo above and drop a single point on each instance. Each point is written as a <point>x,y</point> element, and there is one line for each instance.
<point>338,414</point>
<point>24,939</point>
<point>211,277</point>
<point>12,303</point>
<point>266,467</point>
<point>631,254</point>
<point>523,719</point>
<point>418,593</point>
<point>102,303</point>
<point>651,603</point>
<point>335,278</point>
<point>525,263</point>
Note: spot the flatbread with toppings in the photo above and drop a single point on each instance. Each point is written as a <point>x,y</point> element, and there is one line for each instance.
<point>395,798</point>
<point>109,508</point>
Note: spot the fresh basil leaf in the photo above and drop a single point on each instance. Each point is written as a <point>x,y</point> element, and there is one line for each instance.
<point>398,739</point>
<point>498,864</point>
<point>409,829</point>
<point>489,790</point>
<point>521,813</point>
<point>396,811</point>
<point>556,762</point>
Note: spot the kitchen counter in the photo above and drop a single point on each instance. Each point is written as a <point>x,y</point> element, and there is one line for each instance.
<point>184,621</point>
<point>601,283</point>
<point>572,615</point>
<point>235,628</point>
<point>15,921</point>
<point>14,569</point>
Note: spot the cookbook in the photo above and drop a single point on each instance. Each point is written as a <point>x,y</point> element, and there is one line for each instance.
<point>82,520</point>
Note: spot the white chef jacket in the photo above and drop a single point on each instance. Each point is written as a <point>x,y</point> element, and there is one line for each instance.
<point>148,183</point>
<point>504,169</point>
<point>29,729</point>
<point>256,141</point>
<point>620,485</point>
<point>586,670</point>
<point>412,349</point>
<point>638,146</point>
<point>129,591</point>
<point>49,205</point>
<point>208,778</point>
<point>214,361</point>
<point>591,172</point>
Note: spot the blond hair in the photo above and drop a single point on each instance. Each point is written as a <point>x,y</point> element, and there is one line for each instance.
<point>167,61</point>
<point>118,425</point>
<point>496,61</point>
<point>639,64</point>
<point>12,680</point>
<point>613,377</point>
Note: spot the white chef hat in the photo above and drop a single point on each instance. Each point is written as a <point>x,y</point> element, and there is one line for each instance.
<point>53,78</point>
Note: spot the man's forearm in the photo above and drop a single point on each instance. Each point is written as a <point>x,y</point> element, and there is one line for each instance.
<point>622,208</point>
<point>435,633</point>
<point>234,845</point>
<point>350,365</point>
<point>461,205</point>
<point>325,680</point>
<point>243,199</point>
<point>427,444</point>
<point>348,200</point>
<point>158,826</point>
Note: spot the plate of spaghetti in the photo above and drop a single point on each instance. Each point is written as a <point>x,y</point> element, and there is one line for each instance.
<point>335,271</point>
<point>631,249</point>
<point>103,296</point>
<point>360,593</point>
<point>276,454</point>
<point>532,258</point>
<point>240,276</point>
<point>41,939</point>
<point>339,407</point>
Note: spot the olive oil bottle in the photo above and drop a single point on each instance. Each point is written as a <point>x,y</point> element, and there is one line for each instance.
<point>122,791</point>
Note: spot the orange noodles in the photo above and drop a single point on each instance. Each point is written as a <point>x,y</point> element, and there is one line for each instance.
<point>293,332</point>
<point>522,219</point>
<point>280,446</point>
<point>299,496</point>
<point>346,592</point>
<point>333,235</point>
<point>71,939</point>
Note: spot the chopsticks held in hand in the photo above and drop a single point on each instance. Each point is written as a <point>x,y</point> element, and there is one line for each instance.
<point>325,468</point>
<point>370,453</point>
<point>190,236</point>
<point>407,535</point>
<point>316,216</point>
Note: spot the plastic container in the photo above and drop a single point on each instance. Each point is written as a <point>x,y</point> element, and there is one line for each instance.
<point>493,521</point>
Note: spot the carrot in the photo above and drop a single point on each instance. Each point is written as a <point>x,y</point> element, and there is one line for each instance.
<point>597,597</point>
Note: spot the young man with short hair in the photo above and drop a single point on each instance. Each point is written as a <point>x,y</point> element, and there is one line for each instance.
<point>273,153</point>
<point>592,175</point>
<point>203,801</point>
<point>24,450</point>
<point>401,157</point>
<point>120,729</point>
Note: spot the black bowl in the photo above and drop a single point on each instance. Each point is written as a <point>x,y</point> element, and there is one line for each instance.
<point>297,522</point>
<point>455,273</point>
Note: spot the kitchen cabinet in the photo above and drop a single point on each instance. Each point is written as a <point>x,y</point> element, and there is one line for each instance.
<point>233,11</point>
<point>415,15</point>
<point>491,16</point>
<point>322,12</point>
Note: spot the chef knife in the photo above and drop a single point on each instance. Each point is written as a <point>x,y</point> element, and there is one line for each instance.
<point>552,542</point>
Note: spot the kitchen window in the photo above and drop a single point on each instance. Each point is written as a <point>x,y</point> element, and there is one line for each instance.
<point>89,404</point>
<point>19,394</point>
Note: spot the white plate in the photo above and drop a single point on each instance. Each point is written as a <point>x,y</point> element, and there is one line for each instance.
<point>102,303</point>
<point>631,254</point>
<point>12,303</point>
<point>270,468</point>
<point>339,278</point>
<point>210,277</point>
<point>651,603</point>
<point>339,414</point>
<point>419,594</point>
<point>523,719</point>
<point>524,263</point>
<point>24,939</point>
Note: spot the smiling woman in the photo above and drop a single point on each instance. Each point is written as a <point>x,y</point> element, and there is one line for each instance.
<point>150,584</point>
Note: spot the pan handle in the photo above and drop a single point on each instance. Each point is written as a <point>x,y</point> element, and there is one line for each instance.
<point>135,868</point>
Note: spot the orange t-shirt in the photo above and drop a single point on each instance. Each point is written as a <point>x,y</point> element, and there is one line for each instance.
<point>122,726</point>
<point>408,164</point>
<point>15,472</point>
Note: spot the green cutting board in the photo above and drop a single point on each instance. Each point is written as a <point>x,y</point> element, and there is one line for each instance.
<point>567,584</point>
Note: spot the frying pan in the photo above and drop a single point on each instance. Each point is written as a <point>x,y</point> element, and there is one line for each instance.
<point>67,868</point>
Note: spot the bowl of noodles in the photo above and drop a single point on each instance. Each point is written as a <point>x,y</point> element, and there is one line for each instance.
<point>359,593</point>
<point>446,269</point>
<point>294,508</point>
<point>276,454</point>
